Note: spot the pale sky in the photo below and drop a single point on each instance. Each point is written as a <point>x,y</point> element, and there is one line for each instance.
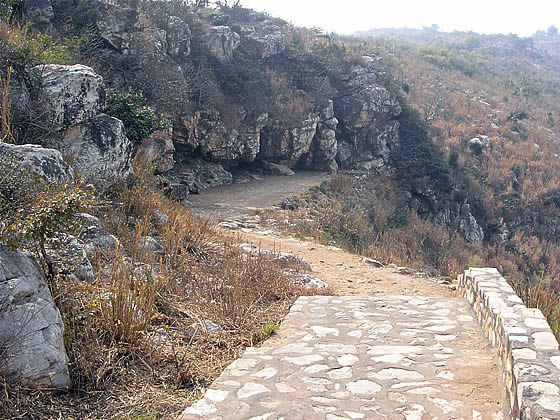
<point>521,17</point>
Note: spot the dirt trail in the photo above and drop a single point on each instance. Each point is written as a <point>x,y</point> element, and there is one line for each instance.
<point>476,375</point>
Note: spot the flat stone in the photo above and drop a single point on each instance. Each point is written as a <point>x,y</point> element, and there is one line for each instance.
<point>266,373</point>
<point>283,388</point>
<point>426,390</point>
<point>216,395</point>
<point>201,408</point>
<point>525,353</point>
<point>250,389</point>
<point>303,360</point>
<point>388,358</point>
<point>363,386</point>
<point>545,341</point>
<point>347,359</point>
<point>536,323</point>
<point>340,373</point>
<point>381,329</point>
<point>384,350</point>
<point>324,331</point>
<point>399,374</point>
<point>315,368</point>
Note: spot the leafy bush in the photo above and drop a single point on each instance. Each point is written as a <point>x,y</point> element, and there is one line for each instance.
<point>139,119</point>
<point>20,47</point>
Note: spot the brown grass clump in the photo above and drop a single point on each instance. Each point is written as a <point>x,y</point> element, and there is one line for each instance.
<point>139,337</point>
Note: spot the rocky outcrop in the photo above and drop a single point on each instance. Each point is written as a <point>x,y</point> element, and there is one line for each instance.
<point>194,175</point>
<point>115,24</point>
<point>178,38</point>
<point>457,218</point>
<point>324,146</point>
<point>69,94</point>
<point>264,39</point>
<point>468,226</point>
<point>31,329</point>
<point>44,164</point>
<point>205,133</point>
<point>288,144</point>
<point>222,41</point>
<point>367,130</point>
<point>159,150</point>
<point>100,149</point>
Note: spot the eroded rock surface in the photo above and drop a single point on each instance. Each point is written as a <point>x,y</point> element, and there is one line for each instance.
<point>69,94</point>
<point>31,329</point>
<point>45,164</point>
<point>100,149</point>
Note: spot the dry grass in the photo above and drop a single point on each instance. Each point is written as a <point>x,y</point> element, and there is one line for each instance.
<point>6,135</point>
<point>134,336</point>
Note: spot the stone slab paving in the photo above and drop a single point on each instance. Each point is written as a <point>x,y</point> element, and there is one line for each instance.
<point>396,357</point>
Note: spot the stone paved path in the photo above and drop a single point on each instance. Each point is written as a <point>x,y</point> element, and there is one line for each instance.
<point>353,357</point>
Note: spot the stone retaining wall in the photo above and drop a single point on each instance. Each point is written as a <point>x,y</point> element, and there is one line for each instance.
<point>527,348</point>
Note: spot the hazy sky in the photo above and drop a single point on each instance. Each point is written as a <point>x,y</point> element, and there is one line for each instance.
<point>522,17</point>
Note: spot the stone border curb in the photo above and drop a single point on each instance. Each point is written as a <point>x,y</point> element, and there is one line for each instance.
<point>527,348</point>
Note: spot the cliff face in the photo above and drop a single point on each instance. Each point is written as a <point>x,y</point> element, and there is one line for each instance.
<point>241,90</point>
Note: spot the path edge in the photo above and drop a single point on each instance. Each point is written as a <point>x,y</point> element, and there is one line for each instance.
<point>526,347</point>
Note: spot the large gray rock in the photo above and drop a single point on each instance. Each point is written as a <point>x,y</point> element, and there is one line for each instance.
<point>158,149</point>
<point>194,175</point>
<point>44,164</point>
<point>469,227</point>
<point>265,39</point>
<point>288,145</point>
<point>222,41</point>
<point>69,94</point>
<point>99,148</point>
<point>324,146</point>
<point>206,133</point>
<point>31,329</point>
<point>367,129</point>
<point>94,236</point>
<point>178,38</point>
<point>277,169</point>
<point>115,24</point>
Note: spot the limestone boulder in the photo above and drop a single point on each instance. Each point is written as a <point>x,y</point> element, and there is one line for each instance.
<point>206,133</point>
<point>264,39</point>
<point>178,38</point>
<point>44,164</point>
<point>31,328</point>
<point>222,41</point>
<point>158,149</point>
<point>324,147</point>
<point>366,113</point>
<point>116,24</point>
<point>99,148</point>
<point>287,144</point>
<point>194,175</point>
<point>69,95</point>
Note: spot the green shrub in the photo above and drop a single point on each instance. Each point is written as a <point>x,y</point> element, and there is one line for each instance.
<point>21,47</point>
<point>139,119</point>
<point>417,160</point>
